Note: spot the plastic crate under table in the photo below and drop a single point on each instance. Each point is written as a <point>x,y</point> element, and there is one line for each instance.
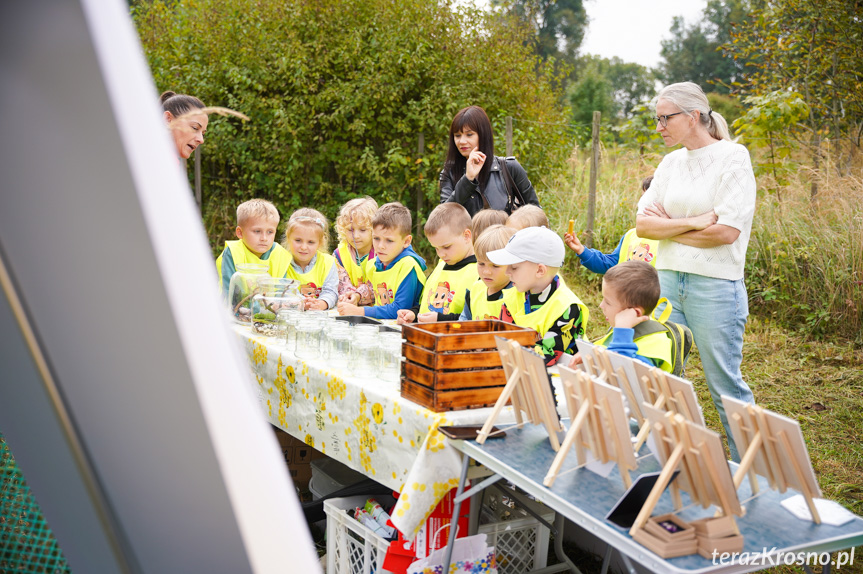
<point>521,542</point>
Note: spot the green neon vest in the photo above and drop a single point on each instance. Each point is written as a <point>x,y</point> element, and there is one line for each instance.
<point>635,247</point>
<point>444,289</point>
<point>312,282</point>
<point>386,283</point>
<point>278,262</point>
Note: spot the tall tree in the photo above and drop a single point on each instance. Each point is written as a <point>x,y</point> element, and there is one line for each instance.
<point>338,92</point>
<point>611,86</point>
<point>814,48</point>
<point>694,53</point>
<point>558,25</point>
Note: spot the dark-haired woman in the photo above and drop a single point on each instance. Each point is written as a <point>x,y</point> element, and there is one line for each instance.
<point>187,127</point>
<point>472,175</point>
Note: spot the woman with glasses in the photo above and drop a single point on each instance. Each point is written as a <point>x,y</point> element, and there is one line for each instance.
<point>700,206</point>
<point>473,176</point>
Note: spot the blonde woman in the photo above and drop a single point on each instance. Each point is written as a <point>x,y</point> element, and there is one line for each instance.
<point>700,206</point>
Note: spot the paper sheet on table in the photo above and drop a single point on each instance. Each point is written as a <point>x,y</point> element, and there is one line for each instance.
<point>831,513</point>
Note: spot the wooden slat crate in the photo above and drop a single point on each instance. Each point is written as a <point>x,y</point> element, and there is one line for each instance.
<point>455,365</point>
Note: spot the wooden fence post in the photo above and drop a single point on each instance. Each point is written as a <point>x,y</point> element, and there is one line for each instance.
<point>421,144</point>
<point>594,173</point>
<point>508,136</point>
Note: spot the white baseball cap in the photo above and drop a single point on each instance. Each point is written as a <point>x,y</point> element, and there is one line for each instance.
<point>534,244</point>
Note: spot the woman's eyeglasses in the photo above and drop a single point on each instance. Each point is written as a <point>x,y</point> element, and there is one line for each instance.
<point>664,119</point>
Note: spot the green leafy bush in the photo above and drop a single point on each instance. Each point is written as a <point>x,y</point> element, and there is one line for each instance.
<point>338,92</point>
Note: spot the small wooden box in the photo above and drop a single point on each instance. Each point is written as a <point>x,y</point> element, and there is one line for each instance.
<point>670,528</point>
<point>455,365</point>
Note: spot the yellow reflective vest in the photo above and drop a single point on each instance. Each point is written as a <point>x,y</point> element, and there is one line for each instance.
<point>653,342</point>
<point>354,271</point>
<point>480,306</point>
<point>635,247</point>
<point>312,281</point>
<point>542,319</point>
<point>385,283</point>
<point>444,289</point>
<point>278,262</point>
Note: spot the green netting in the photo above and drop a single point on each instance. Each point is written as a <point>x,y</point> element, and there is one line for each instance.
<point>26,543</point>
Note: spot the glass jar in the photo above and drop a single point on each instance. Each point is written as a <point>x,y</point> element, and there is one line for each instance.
<point>252,279</point>
<point>308,336</point>
<point>390,356</point>
<point>292,318</point>
<point>338,344</point>
<point>364,350</point>
<point>266,308</point>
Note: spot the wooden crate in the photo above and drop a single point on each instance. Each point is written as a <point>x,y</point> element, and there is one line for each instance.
<point>455,336</point>
<point>455,365</point>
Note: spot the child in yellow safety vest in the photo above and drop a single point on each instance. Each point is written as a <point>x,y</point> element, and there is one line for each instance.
<point>539,299</point>
<point>354,228</point>
<point>630,292</point>
<point>257,220</point>
<point>396,271</point>
<point>307,236</point>
<point>630,247</point>
<point>448,231</point>
<point>484,298</point>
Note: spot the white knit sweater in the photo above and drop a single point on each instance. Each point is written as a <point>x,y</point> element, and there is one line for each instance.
<point>687,183</point>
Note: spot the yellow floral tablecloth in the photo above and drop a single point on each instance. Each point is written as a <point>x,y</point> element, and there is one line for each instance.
<point>364,423</point>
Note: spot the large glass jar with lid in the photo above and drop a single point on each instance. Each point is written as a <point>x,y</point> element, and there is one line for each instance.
<point>254,279</point>
<point>266,306</point>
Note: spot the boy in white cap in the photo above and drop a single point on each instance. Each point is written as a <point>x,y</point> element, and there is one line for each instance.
<point>540,300</point>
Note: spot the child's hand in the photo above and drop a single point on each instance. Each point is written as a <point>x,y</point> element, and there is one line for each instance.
<point>429,317</point>
<point>629,318</point>
<point>405,316</point>
<point>316,304</point>
<point>573,243</point>
<point>346,308</point>
<point>353,298</point>
<point>576,360</point>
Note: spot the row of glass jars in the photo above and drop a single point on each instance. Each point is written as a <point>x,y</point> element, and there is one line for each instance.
<point>274,307</point>
<point>363,350</point>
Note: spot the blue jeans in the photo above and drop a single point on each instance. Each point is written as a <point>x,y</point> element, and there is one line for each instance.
<point>716,311</point>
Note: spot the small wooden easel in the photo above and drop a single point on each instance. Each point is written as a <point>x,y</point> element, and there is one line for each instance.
<point>773,447</point>
<point>600,364</point>
<point>528,386</point>
<point>698,453</point>
<point>598,422</point>
<point>667,392</point>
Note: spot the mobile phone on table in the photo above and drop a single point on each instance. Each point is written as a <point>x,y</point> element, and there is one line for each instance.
<point>469,432</point>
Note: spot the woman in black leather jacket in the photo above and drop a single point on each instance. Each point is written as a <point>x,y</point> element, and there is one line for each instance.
<point>472,174</point>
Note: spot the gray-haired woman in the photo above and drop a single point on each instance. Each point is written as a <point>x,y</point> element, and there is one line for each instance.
<point>700,205</point>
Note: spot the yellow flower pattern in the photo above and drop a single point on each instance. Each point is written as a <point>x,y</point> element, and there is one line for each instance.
<point>259,354</point>
<point>378,413</point>
<point>364,424</point>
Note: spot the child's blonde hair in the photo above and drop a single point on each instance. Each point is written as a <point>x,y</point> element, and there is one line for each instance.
<point>527,216</point>
<point>452,216</point>
<point>311,218</point>
<point>257,209</point>
<point>493,238</point>
<point>484,219</point>
<point>358,210</point>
